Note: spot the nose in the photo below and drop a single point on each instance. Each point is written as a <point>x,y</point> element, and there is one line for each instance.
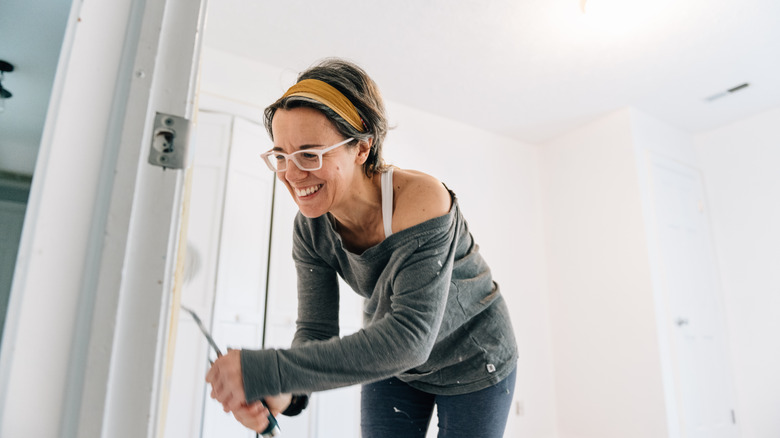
<point>293,172</point>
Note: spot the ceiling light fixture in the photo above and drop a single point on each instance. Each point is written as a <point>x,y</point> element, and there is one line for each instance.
<point>5,67</point>
<point>731,90</point>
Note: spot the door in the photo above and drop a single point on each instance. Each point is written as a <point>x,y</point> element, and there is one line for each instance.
<point>225,270</point>
<point>694,315</point>
<point>242,268</point>
<point>210,167</point>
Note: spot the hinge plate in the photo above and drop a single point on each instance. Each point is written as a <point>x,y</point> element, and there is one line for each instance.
<point>170,139</point>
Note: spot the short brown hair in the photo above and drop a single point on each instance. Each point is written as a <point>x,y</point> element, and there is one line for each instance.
<point>355,84</point>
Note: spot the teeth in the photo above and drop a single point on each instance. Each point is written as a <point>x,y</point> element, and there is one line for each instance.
<point>308,190</point>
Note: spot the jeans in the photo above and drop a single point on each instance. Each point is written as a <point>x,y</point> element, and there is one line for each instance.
<point>391,409</point>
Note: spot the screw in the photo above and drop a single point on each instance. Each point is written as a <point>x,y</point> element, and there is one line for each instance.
<point>168,121</point>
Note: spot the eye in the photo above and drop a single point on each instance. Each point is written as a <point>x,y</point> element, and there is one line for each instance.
<point>308,156</point>
<point>279,157</point>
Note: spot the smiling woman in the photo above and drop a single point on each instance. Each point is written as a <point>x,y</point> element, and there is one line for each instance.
<point>303,131</point>
<point>436,330</point>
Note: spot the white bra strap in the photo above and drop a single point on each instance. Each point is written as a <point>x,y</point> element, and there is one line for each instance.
<point>387,201</point>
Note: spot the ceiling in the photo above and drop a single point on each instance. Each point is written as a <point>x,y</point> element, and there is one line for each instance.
<point>530,69</point>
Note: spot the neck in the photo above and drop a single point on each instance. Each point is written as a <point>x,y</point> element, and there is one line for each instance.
<point>359,219</point>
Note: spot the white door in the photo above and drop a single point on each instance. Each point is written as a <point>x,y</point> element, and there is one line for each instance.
<point>225,271</point>
<point>695,319</point>
<point>341,403</point>
<point>317,421</point>
<point>226,268</point>
<point>209,175</point>
<point>242,269</point>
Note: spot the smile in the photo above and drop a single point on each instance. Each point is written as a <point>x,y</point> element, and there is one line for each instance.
<point>308,190</point>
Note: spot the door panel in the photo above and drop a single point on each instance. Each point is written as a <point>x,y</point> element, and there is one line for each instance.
<point>188,388</point>
<point>691,290</point>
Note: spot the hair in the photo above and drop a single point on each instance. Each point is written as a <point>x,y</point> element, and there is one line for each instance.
<point>355,84</point>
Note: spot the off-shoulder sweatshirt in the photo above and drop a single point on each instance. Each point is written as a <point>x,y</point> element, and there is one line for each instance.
<point>432,314</point>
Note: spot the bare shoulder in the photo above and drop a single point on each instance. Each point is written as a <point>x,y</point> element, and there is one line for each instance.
<point>418,198</point>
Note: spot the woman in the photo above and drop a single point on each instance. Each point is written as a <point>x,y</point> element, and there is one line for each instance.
<point>436,330</point>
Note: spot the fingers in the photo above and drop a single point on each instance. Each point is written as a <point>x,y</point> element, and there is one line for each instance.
<point>210,374</point>
<point>231,403</point>
<point>254,416</point>
<point>227,383</point>
<point>229,399</point>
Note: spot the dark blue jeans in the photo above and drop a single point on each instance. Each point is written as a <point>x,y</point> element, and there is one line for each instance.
<point>391,409</point>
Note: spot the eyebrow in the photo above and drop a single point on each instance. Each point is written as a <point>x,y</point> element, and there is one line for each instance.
<point>302,147</point>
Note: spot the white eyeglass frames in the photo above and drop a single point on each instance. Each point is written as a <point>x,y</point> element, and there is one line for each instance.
<point>305,159</point>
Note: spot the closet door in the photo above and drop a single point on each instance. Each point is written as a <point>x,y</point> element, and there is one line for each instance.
<point>283,299</point>
<point>695,320</point>
<point>225,269</point>
<point>242,267</point>
<point>225,283</point>
<point>334,413</point>
<point>188,389</point>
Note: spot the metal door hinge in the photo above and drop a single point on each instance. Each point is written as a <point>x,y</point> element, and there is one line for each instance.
<point>170,139</point>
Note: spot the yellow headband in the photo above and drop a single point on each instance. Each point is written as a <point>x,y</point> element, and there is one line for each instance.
<point>325,94</point>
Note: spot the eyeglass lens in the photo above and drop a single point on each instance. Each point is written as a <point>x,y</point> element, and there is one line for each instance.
<point>304,160</point>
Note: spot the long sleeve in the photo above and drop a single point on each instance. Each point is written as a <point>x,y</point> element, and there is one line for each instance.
<point>432,316</point>
<point>400,338</point>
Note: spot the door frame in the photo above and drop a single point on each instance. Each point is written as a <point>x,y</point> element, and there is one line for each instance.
<point>95,284</point>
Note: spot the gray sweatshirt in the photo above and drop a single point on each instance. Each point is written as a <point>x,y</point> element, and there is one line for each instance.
<point>432,315</point>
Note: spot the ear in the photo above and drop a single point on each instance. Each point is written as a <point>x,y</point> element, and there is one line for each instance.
<point>363,148</point>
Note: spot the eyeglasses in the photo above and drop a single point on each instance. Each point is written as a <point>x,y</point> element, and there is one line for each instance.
<point>273,427</point>
<point>306,160</point>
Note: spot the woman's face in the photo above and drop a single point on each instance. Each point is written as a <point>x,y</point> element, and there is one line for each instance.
<point>319,191</point>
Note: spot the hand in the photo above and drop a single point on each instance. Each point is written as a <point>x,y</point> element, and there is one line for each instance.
<point>227,383</point>
<point>255,416</point>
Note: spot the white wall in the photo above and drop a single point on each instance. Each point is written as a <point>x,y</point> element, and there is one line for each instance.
<point>610,356</point>
<point>497,183</point>
<point>606,354</point>
<point>741,168</point>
